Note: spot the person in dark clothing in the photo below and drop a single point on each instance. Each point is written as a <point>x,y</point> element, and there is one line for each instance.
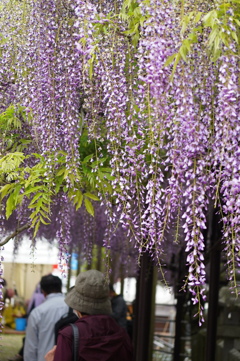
<point>100,337</point>
<point>119,307</point>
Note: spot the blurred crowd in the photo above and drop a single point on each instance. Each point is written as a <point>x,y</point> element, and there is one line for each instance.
<point>100,314</point>
<point>15,307</point>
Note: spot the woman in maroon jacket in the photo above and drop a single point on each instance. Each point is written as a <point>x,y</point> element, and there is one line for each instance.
<point>100,337</point>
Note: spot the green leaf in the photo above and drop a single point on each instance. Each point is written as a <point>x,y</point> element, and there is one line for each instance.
<point>71,177</point>
<point>100,160</point>
<point>109,177</point>
<point>58,182</point>
<point>91,69</point>
<point>89,206</point>
<point>36,228</point>
<point>47,196</point>
<point>100,174</point>
<point>60,172</point>
<point>46,209</point>
<point>16,192</point>
<point>184,49</point>
<point>33,189</point>
<point>185,23</point>
<point>34,221</point>
<point>34,214</point>
<point>209,18</point>
<point>35,198</point>
<point>10,205</point>
<point>198,16</point>
<point>217,41</point>
<point>91,196</point>
<point>234,36</point>
<point>43,221</point>
<point>177,59</point>
<point>44,214</point>
<point>79,199</point>
<point>87,158</point>
<point>66,173</point>
<point>108,170</point>
<point>11,161</point>
<point>5,189</point>
<point>213,34</point>
<point>136,108</point>
<point>236,21</point>
<point>170,59</point>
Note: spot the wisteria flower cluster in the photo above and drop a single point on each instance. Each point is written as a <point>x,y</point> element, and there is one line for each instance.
<point>163,134</point>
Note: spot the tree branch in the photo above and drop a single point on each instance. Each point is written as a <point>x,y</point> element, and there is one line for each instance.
<point>14,234</point>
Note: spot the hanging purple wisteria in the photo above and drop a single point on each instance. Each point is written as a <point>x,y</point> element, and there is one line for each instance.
<point>135,105</point>
<point>163,130</point>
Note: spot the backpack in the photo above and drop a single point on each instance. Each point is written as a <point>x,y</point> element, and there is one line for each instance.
<point>65,320</point>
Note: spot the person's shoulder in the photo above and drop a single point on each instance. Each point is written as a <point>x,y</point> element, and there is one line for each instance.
<point>55,295</point>
<point>37,309</point>
<point>105,321</point>
<point>119,298</point>
<point>67,330</point>
<point>36,314</point>
<point>92,321</point>
<point>55,298</point>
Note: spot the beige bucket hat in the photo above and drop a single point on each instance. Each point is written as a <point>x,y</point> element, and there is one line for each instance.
<point>90,294</point>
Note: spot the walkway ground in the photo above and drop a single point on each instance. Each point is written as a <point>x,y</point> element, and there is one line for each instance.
<point>9,345</point>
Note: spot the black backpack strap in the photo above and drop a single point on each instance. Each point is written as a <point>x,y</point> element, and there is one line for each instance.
<point>75,341</point>
<point>64,321</point>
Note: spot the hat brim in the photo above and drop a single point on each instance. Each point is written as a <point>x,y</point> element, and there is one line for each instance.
<point>88,305</point>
